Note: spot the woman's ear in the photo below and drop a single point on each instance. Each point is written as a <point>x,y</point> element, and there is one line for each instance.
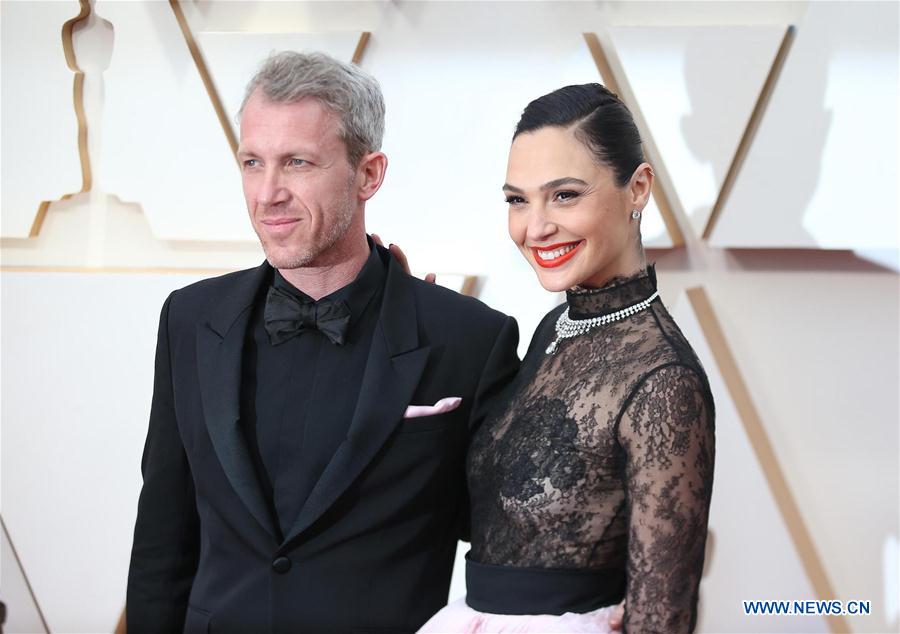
<point>640,186</point>
<point>370,174</point>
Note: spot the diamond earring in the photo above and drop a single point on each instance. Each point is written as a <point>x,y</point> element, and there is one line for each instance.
<point>635,214</point>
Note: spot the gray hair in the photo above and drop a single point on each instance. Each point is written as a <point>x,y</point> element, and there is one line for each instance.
<point>346,89</point>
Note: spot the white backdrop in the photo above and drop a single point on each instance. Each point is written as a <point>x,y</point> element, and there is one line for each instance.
<point>815,333</point>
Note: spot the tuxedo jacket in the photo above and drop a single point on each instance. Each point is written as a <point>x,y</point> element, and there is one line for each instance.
<point>373,546</point>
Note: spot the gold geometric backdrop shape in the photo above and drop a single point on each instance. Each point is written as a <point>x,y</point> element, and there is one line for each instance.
<point>755,431</point>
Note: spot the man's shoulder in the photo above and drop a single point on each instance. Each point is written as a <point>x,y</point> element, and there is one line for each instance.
<point>218,285</point>
<point>438,302</point>
<point>196,299</point>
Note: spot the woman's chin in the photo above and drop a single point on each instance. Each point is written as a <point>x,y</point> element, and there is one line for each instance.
<point>553,283</point>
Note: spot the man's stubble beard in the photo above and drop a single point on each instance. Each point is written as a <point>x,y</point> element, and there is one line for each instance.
<point>336,231</point>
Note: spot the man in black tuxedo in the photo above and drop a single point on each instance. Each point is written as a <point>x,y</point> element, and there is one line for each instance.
<point>304,465</point>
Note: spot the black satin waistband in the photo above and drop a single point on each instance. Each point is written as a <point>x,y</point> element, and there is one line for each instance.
<point>512,590</point>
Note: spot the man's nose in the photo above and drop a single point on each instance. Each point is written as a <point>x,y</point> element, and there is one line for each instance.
<point>273,190</point>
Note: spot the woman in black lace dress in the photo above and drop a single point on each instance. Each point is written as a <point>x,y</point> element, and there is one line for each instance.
<point>591,481</point>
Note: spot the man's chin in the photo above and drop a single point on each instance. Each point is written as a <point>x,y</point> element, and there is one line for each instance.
<point>280,260</point>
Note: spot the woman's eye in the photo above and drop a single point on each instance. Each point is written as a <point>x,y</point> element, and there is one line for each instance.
<point>251,163</point>
<point>514,200</point>
<point>566,195</point>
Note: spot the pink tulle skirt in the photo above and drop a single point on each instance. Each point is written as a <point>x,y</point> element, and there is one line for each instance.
<point>459,618</point>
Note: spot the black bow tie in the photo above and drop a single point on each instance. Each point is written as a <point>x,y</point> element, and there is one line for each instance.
<point>286,316</point>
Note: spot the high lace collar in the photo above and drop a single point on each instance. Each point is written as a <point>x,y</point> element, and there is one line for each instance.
<point>620,292</point>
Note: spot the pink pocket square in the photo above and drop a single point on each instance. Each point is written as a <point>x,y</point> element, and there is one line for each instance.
<point>441,407</point>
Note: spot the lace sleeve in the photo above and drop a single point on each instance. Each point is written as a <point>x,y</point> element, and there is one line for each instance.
<point>667,432</point>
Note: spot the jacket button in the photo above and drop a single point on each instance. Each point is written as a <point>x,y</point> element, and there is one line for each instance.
<point>281,565</point>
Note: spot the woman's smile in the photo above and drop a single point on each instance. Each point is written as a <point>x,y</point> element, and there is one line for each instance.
<point>554,255</point>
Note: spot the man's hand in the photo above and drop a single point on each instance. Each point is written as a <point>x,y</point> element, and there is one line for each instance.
<point>401,258</point>
<point>618,614</point>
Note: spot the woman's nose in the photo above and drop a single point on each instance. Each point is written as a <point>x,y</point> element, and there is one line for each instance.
<point>540,226</point>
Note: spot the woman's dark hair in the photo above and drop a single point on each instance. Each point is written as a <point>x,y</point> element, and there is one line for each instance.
<point>603,123</point>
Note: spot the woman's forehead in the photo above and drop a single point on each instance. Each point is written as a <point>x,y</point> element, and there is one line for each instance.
<point>549,154</point>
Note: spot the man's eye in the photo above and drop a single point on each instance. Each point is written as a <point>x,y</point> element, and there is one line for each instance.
<point>296,162</point>
<point>251,163</point>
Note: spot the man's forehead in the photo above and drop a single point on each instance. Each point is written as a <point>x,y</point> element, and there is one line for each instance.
<point>289,123</point>
<point>307,107</point>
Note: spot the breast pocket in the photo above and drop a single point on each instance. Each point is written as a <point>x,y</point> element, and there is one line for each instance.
<point>437,422</point>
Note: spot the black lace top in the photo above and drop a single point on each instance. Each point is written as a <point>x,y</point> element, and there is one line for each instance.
<point>601,456</point>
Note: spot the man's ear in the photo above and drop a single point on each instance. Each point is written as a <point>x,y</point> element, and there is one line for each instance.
<point>370,174</point>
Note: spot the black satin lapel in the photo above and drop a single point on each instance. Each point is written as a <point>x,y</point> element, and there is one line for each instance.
<point>387,388</point>
<point>219,365</point>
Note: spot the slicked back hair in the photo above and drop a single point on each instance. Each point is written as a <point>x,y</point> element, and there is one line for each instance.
<point>602,122</point>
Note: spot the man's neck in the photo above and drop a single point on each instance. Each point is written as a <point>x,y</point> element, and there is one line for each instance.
<point>341,267</point>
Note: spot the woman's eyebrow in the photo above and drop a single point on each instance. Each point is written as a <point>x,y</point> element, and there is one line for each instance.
<point>567,180</point>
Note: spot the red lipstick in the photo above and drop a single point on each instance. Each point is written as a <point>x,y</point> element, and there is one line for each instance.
<point>557,261</point>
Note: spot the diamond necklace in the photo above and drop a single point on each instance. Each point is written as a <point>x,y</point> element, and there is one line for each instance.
<point>566,327</point>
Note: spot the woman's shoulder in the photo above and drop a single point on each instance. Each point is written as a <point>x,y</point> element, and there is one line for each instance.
<point>669,342</point>
<point>666,361</point>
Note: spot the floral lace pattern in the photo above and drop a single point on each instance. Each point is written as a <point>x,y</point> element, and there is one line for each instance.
<point>601,455</point>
